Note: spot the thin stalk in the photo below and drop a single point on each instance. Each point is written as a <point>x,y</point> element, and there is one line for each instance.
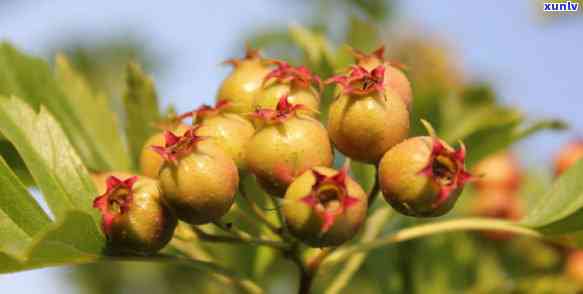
<point>258,212</point>
<point>306,279</point>
<point>434,228</point>
<point>240,238</point>
<point>306,276</point>
<point>216,271</point>
<point>373,228</point>
<point>375,188</point>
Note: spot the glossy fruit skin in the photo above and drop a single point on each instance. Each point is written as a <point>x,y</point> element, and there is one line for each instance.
<point>243,83</point>
<point>269,96</point>
<point>150,161</point>
<point>200,187</point>
<point>395,79</point>
<point>500,171</point>
<point>279,152</point>
<point>148,224</point>
<point>229,131</point>
<point>365,127</point>
<point>305,224</point>
<point>568,155</point>
<point>404,187</point>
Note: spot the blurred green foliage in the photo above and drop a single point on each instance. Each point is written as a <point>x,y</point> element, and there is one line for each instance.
<point>458,109</point>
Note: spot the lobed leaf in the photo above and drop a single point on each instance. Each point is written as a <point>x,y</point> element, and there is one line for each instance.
<point>141,107</point>
<point>46,151</point>
<point>96,118</point>
<point>487,141</point>
<point>316,47</point>
<point>31,79</point>
<point>560,210</point>
<point>74,240</point>
<point>20,216</point>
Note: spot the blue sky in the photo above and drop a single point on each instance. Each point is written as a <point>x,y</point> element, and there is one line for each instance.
<point>533,63</point>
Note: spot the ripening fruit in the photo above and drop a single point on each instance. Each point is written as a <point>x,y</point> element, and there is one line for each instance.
<point>574,266</point>
<point>246,79</point>
<point>295,82</point>
<point>135,218</point>
<point>285,145</point>
<point>498,171</point>
<point>423,176</point>
<point>324,207</point>
<point>394,78</point>
<point>229,131</point>
<point>100,179</point>
<point>568,155</point>
<point>365,120</point>
<point>198,178</point>
<point>150,161</point>
<point>498,203</point>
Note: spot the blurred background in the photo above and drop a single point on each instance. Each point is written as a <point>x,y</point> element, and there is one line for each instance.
<point>509,50</point>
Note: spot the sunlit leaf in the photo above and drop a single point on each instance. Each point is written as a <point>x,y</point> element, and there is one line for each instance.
<point>560,210</point>
<point>32,80</point>
<point>74,240</point>
<point>95,116</point>
<point>52,161</point>
<point>17,206</point>
<point>316,47</point>
<point>141,107</point>
<point>362,34</point>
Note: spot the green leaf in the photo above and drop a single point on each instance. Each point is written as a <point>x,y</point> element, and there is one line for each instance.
<point>485,142</point>
<point>264,257</point>
<point>364,174</point>
<point>31,79</point>
<point>23,76</point>
<point>17,207</point>
<point>479,119</point>
<point>362,34</point>
<point>74,240</point>
<point>560,210</point>
<point>95,116</point>
<point>141,107</point>
<point>15,162</point>
<point>316,48</point>
<point>49,156</point>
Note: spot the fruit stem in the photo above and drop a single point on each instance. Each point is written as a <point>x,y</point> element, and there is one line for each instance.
<point>374,227</point>
<point>406,234</point>
<point>374,192</point>
<point>306,275</point>
<point>306,279</point>
<point>221,274</point>
<point>429,128</point>
<point>259,214</point>
<point>239,238</point>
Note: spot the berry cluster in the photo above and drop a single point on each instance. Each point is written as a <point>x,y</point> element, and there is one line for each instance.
<point>266,123</point>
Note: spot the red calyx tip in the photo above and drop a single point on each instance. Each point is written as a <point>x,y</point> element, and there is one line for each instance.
<point>178,146</point>
<point>106,200</point>
<point>283,111</point>
<point>360,81</point>
<point>206,110</point>
<point>286,73</point>
<point>360,56</point>
<point>456,176</point>
<point>250,53</point>
<point>318,201</point>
